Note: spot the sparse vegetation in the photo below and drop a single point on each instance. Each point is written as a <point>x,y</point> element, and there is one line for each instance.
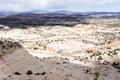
<point>96,75</point>
<point>29,72</point>
<point>100,58</point>
<point>62,52</point>
<point>35,48</point>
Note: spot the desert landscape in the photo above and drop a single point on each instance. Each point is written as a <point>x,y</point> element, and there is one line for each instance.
<point>83,50</point>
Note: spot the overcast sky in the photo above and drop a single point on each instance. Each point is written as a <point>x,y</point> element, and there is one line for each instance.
<point>72,5</point>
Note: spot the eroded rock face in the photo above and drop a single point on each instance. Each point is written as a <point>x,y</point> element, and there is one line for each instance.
<point>8,46</point>
<point>68,46</point>
<point>86,27</point>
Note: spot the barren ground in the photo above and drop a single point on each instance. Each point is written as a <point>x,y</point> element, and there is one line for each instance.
<point>82,52</point>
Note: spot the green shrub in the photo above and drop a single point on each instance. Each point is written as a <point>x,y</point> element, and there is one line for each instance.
<point>96,75</point>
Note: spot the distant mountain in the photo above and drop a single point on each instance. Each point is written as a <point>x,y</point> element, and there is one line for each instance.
<point>45,11</point>
<point>35,12</point>
<point>8,12</point>
<point>62,11</point>
<point>38,11</point>
<point>56,12</point>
